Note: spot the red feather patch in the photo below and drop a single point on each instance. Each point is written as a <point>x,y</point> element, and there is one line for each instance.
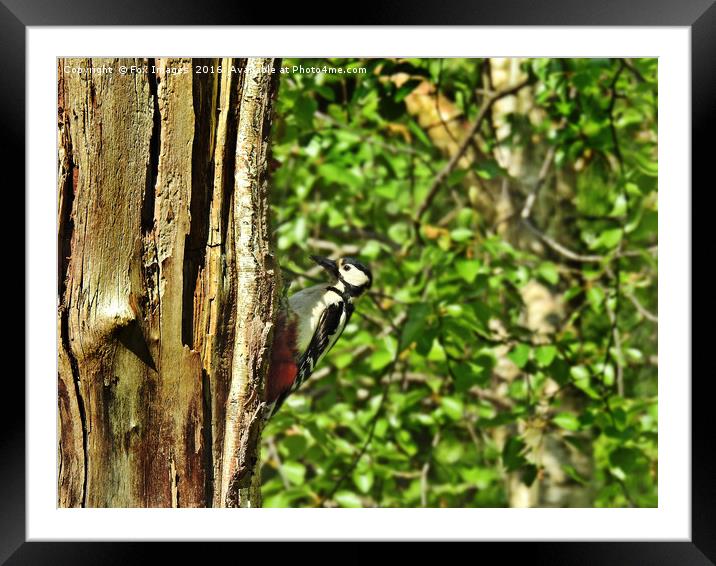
<point>283,368</point>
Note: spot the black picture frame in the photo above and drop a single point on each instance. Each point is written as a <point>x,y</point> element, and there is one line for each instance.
<point>699,15</point>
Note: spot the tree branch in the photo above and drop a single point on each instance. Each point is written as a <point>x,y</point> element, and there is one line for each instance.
<point>559,248</point>
<point>641,309</point>
<point>462,148</point>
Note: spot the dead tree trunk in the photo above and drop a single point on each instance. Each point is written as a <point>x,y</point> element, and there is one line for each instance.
<point>166,279</point>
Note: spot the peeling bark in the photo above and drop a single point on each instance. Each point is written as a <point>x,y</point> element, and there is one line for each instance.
<point>148,281</point>
<point>256,288</point>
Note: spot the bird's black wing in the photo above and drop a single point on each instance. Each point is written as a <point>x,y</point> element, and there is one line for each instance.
<point>327,326</point>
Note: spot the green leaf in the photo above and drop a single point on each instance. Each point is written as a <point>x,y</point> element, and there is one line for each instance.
<point>582,381</point>
<point>646,164</point>
<point>596,296</point>
<point>461,234</point>
<point>635,355</point>
<point>449,451</point>
<point>419,134</point>
<point>468,269</point>
<point>453,407</point>
<point>437,352</point>
<point>389,190</point>
<point>481,478</point>
<point>456,177</point>
<point>399,232</point>
<point>520,355</point>
<point>567,421</point>
<point>406,442</point>
<point>347,499</point>
<point>371,250</point>
<point>548,272</point>
<point>406,89</point>
<point>384,355</point>
<point>559,371</point>
<point>417,315</point>
<point>363,479</point>
<point>380,359</point>
<point>294,472</point>
<point>579,373</point>
<point>454,310</point>
<point>340,175</point>
<point>303,110</point>
<point>381,428</point>
<point>528,474</point>
<point>620,418</point>
<point>488,169</point>
<point>626,459</point>
<point>280,500</point>
<point>512,454</point>
<point>572,473</point>
<point>467,375</point>
<point>294,446</point>
<point>618,473</point>
<point>325,92</point>
<point>342,360</point>
<point>620,206</point>
<point>608,239</point>
<point>544,355</point>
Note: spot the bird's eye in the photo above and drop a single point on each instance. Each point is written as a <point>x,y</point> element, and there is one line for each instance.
<point>346,268</point>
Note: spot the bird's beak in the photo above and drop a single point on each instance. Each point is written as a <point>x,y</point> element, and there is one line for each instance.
<point>328,264</point>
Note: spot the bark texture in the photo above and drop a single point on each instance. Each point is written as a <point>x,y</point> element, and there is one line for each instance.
<point>157,299</point>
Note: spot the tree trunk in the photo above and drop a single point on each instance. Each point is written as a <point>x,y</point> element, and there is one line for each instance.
<point>166,283</point>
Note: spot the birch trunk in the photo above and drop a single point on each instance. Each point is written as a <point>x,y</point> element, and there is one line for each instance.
<point>158,299</point>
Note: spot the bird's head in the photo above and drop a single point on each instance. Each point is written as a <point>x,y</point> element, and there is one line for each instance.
<point>355,276</point>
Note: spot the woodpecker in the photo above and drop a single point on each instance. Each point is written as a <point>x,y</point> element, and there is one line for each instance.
<point>310,325</point>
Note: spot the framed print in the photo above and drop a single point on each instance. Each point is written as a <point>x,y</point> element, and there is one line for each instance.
<point>404,280</point>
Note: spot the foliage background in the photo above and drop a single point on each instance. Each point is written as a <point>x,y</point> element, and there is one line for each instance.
<point>507,354</point>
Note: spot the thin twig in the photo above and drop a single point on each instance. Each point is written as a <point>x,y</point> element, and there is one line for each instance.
<point>617,342</point>
<point>362,137</point>
<point>614,336</point>
<point>654,250</point>
<point>473,434</point>
<point>610,111</point>
<point>559,248</point>
<point>437,105</point>
<point>426,470</point>
<point>368,440</point>
<point>529,204</point>
<point>393,326</point>
<point>339,250</point>
<point>273,453</point>
<point>477,391</point>
<point>633,70</point>
<point>363,234</point>
<point>302,275</point>
<point>492,397</point>
<point>542,176</point>
<point>462,148</point>
<point>641,309</point>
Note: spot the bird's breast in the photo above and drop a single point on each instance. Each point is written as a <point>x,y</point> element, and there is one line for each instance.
<point>306,308</point>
